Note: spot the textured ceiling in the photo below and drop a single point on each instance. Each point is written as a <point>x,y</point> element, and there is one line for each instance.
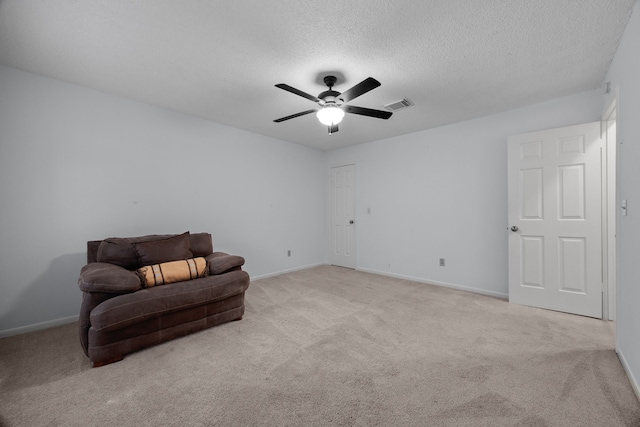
<point>220,60</point>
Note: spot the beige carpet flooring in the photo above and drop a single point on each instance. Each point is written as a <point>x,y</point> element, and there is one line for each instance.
<point>330,346</point>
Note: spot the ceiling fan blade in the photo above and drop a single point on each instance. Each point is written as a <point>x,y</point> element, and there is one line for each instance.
<point>378,114</point>
<point>361,88</point>
<point>293,116</point>
<point>298,92</point>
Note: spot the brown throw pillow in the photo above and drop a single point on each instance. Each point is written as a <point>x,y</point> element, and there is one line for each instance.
<point>158,251</point>
<point>220,263</point>
<point>172,272</point>
<point>118,251</point>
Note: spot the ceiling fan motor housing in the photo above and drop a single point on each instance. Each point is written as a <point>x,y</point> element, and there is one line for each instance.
<point>330,96</point>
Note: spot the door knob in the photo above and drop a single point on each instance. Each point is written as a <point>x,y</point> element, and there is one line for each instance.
<point>351,222</point>
<point>514,228</point>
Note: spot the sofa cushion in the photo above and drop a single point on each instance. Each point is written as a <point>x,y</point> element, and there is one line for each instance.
<point>172,272</point>
<point>126,310</point>
<point>172,248</point>
<point>118,251</point>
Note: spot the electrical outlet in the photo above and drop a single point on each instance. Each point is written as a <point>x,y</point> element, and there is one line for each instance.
<point>441,262</point>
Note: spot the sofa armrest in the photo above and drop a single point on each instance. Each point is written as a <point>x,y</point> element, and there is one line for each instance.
<point>110,278</point>
<point>90,300</point>
<point>220,262</point>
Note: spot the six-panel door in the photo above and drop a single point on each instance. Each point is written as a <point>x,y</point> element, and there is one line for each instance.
<point>554,192</point>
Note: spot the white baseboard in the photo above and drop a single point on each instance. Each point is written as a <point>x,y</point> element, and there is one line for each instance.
<point>435,282</point>
<point>291,270</point>
<point>396,276</point>
<point>38,326</point>
<point>632,378</point>
<point>58,322</point>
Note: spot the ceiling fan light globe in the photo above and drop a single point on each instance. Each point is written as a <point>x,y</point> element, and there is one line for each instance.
<point>330,115</point>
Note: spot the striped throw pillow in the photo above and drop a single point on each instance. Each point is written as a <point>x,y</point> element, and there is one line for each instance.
<point>172,271</point>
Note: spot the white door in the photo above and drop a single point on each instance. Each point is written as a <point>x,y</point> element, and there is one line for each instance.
<point>555,219</point>
<point>343,250</point>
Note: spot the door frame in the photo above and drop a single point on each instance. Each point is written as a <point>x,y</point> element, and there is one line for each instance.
<point>610,206</point>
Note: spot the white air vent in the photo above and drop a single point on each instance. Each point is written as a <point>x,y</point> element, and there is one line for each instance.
<point>398,105</point>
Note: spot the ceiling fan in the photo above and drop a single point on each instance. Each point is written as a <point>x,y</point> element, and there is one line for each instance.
<point>332,104</point>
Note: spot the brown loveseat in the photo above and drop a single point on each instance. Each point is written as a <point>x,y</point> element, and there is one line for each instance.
<point>124,311</point>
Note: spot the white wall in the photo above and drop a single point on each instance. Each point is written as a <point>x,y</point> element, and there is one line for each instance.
<point>624,75</point>
<point>442,193</point>
<point>78,165</point>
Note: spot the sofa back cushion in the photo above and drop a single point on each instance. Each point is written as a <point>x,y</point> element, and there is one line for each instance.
<point>163,250</point>
<point>126,252</point>
<point>201,244</point>
<point>118,251</point>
